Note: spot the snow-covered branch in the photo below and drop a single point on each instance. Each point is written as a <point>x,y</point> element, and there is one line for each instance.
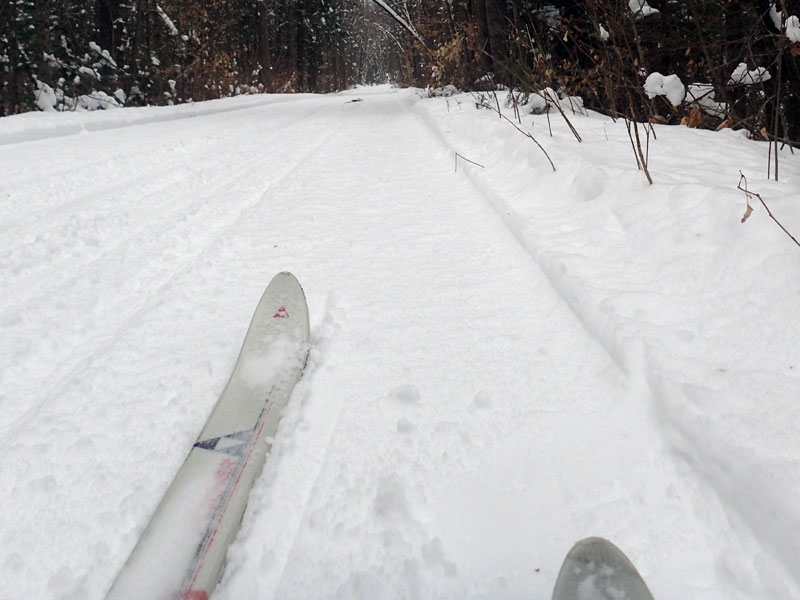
<point>403,22</point>
<point>167,21</point>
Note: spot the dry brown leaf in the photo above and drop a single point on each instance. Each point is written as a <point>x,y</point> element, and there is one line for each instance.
<point>695,118</point>
<point>747,213</point>
<point>724,125</point>
<point>657,119</point>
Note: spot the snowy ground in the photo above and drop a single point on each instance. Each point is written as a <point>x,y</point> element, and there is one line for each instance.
<point>505,359</point>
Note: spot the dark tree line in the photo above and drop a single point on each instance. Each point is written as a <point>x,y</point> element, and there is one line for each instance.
<point>133,52</point>
<point>603,50</point>
<point>138,52</point>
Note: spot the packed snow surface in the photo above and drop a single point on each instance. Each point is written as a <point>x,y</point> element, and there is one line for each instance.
<point>505,359</point>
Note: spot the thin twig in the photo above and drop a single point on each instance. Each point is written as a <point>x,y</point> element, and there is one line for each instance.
<point>547,113</point>
<point>557,104</point>
<point>472,162</point>
<point>750,194</point>
<point>636,144</point>
<point>525,133</point>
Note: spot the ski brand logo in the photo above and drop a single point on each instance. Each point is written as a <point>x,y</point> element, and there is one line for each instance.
<point>231,444</point>
<point>281,314</point>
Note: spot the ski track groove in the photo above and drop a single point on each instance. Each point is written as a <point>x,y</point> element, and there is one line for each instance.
<point>170,224</point>
<point>511,220</point>
<point>14,429</point>
<point>23,179</point>
<point>33,135</point>
<point>44,294</point>
<point>628,353</point>
<point>154,194</point>
<point>319,464</point>
<point>329,322</point>
<point>54,213</point>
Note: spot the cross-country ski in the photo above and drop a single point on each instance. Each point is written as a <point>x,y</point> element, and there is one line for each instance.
<point>595,569</point>
<point>182,551</point>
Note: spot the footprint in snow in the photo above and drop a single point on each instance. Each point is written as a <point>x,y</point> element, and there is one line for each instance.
<point>406,427</point>
<point>405,394</point>
<point>482,400</point>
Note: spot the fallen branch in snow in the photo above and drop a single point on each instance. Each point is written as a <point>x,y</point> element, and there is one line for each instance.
<point>472,162</point>
<point>747,213</point>
<point>486,104</point>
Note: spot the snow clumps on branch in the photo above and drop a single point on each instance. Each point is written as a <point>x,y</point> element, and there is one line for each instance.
<point>102,53</point>
<point>793,29</point>
<point>641,8</point>
<point>167,21</point>
<point>743,76</point>
<point>670,86</point>
<point>702,96</point>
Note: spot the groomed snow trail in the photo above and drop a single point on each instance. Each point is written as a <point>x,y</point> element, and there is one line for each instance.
<point>459,424</point>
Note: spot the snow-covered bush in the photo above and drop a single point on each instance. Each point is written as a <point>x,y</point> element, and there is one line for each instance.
<point>443,92</point>
<point>54,99</point>
<point>542,101</point>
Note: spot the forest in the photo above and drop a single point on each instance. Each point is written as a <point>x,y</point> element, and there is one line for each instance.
<point>701,63</point>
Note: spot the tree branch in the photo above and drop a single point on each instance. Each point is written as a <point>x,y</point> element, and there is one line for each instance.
<point>749,194</point>
<point>403,22</point>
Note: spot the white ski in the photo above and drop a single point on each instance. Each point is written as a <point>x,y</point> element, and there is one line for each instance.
<point>595,569</point>
<point>181,553</point>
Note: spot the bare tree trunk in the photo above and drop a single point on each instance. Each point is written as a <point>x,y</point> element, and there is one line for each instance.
<point>495,24</point>
<point>483,33</point>
<point>263,54</point>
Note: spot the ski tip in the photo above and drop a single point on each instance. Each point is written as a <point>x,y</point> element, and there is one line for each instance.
<point>285,275</point>
<point>285,281</point>
<point>595,569</point>
<point>284,300</point>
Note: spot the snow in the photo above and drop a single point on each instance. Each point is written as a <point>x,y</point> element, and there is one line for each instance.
<point>505,359</point>
<point>102,53</point>
<point>793,28</point>
<point>167,21</point>
<point>541,102</point>
<point>670,86</point>
<point>641,8</point>
<point>776,16</point>
<point>45,97</point>
<point>744,76</point>
<point>704,96</point>
<point>403,22</point>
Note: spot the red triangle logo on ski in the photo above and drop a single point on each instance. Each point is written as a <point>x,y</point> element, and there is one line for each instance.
<point>282,313</point>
